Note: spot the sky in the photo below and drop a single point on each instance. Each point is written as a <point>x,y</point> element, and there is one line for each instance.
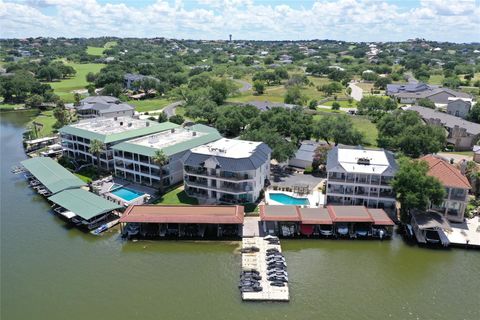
<point>348,20</point>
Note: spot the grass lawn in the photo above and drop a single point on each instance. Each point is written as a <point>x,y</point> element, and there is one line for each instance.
<point>462,153</point>
<point>98,51</point>
<point>365,126</point>
<point>83,178</point>
<point>436,79</point>
<point>8,107</point>
<point>176,197</point>
<point>149,104</point>
<point>367,87</point>
<point>47,120</point>
<point>65,87</point>
<point>343,104</point>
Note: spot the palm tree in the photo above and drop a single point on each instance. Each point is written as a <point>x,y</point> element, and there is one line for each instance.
<point>96,147</point>
<point>160,159</point>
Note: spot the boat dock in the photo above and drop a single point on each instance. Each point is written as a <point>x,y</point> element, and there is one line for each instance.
<point>257,261</point>
<point>466,234</point>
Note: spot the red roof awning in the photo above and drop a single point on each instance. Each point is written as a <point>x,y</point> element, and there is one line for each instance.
<point>184,214</point>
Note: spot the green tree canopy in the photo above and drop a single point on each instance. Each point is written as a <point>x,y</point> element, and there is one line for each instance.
<point>337,128</point>
<point>414,188</point>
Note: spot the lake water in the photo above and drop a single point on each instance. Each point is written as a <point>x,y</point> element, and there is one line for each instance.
<point>50,271</point>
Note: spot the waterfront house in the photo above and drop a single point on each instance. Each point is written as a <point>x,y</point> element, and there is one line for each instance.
<point>456,186</point>
<point>358,176</point>
<point>163,221</point>
<point>227,171</point>
<point>332,220</point>
<point>459,107</point>
<point>103,106</point>
<point>462,134</point>
<point>133,158</point>
<point>76,138</point>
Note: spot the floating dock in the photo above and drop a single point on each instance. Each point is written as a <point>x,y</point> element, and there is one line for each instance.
<point>257,261</point>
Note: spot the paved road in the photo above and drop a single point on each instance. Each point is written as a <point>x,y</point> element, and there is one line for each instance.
<point>170,109</point>
<point>357,92</point>
<point>341,109</point>
<point>245,85</point>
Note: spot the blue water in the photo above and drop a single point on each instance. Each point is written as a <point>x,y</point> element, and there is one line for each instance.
<point>127,194</point>
<point>289,200</point>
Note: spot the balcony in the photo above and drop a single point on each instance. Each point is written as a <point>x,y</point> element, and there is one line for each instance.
<point>337,178</point>
<point>386,181</point>
<point>221,175</point>
<point>387,194</point>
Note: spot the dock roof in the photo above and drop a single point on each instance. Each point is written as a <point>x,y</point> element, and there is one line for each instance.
<point>349,214</point>
<point>184,214</point>
<point>51,174</point>
<point>279,213</point>
<point>380,217</point>
<point>315,216</point>
<point>83,203</point>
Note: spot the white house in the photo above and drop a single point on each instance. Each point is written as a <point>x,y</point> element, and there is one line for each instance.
<point>227,171</point>
<point>358,176</point>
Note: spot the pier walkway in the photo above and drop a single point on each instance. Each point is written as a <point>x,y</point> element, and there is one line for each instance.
<point>257,261</point>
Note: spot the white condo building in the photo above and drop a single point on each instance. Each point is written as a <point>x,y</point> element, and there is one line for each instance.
<point>227,171</point>
<point>357,176</point>
<point>76,138</point>
<point>134,158</point>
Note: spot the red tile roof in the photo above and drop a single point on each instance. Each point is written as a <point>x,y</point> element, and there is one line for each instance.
<point>184,214</point>
<point>448,175</point>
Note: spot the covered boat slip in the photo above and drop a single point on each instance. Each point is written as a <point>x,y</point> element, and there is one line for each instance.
<point>338,221</point>
<point>45,174</point>
<point>429,227</point>
<point>84,208</point>
<point>198,222</point>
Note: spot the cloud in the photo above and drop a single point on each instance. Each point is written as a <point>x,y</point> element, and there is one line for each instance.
<point>351,20</point>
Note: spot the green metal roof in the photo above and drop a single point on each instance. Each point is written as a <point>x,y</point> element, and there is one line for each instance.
<point>52,175</point>
<point>211,135</point>
<point>154,127</point>
<point>83,203</point>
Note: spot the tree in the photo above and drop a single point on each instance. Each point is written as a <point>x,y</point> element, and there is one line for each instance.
<point>259,86</point>
<point>331,88</point>
<point>405,131</point>
<point>60,114</point>
<point>320,156</point>
<point>76,99</point>
<point>381,82</point>
<point>91,89</point>
<point>268,60</point>
<point>34,101</point>
<point>178,119</point>
<point>160,159</point>
<point>96,148</point>
<point>162,117</point>
<point>90,77</point>
<point>232,120</point>
<point>375,106</point>
<point>312,105</point>
<point>427,103</point>
<point>474,113</point>
<point>338,128</point>
<point>49,73</point>
<point>202,108</point>
<point>282,150</point>
<point>414,188</point>
<point>112,89</point>
<point>295,96</point>
<point>335,106</point>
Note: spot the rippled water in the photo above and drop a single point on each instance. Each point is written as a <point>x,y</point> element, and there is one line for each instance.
<point>49,271</point>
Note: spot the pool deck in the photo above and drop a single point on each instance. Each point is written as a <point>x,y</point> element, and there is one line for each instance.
<point>257,261</point>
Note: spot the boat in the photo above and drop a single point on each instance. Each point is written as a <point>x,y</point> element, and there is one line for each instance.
<point>342,229</point>
<point>163,230</point>
<point>277,284</point>
<point>326,230</point>
<point>432,237</point>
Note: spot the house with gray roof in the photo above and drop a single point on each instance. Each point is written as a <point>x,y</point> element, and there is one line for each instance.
<point>462,134</point>
<point>133,159</point>
<point>103,106</point>
<point>227,171</point>
<point>129,80</point>
<point>412,92</point>
<point>303,158</point>
<point>459,107</point>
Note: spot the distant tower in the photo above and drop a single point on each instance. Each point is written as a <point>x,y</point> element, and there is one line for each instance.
<point>230,36</point>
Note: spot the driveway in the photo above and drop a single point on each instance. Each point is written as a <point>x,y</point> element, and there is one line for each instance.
<point>357,92</point>
<point>245,85</point>
<point>456,157</point>
<point>170,109</point>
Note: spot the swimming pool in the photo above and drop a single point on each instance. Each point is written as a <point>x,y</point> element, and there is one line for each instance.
<point>288,200</point>
<point>127,194</point>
